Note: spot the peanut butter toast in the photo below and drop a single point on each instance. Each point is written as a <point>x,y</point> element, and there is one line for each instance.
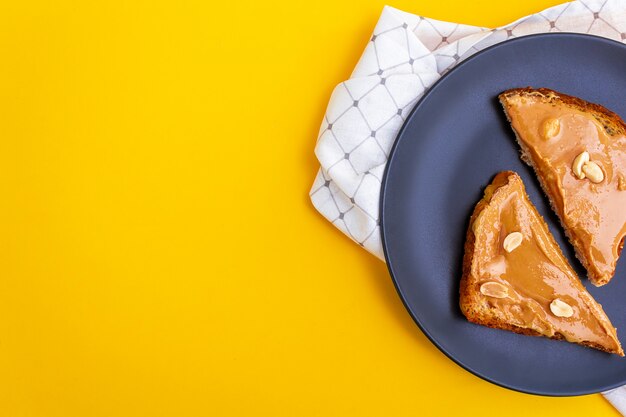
<point>516,278</point>
<point>578,152</point>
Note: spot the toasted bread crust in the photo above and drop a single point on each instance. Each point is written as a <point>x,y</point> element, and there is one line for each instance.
<point>611,122</point>
<point>475,309</point>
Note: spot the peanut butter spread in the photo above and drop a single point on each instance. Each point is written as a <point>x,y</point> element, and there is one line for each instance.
<point>581,162</point>
<point>530,283</point>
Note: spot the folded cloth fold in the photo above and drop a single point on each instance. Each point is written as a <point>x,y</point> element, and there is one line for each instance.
<point>405,56</point>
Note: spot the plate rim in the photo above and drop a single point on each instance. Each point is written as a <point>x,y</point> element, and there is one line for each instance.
<point>382,199</point>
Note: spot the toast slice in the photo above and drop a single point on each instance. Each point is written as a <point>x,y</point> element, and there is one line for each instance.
<point>578,152</point>
<point>516,278</point>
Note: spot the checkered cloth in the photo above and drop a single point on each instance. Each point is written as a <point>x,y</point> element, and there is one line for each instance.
<point>406,55</point>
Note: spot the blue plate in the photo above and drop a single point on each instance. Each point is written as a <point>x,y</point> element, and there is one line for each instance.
<point>453,143</point>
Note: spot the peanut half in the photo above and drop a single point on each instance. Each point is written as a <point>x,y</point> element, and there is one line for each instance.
<point>593,172</point>
<point>512,241</point>
<point>494,289</point>
<point>577,166</point>
<point>621,182</point>
<point>561,308</point>
<point>551,128</point>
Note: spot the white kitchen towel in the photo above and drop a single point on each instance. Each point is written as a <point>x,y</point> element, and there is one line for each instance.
<point>405,55</point>
<point>617,397</point>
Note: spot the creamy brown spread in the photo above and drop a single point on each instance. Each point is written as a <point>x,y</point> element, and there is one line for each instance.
<point>535,272</point>
<point>594,213</point>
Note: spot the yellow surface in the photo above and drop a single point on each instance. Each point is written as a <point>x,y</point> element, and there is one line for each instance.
<point>159,255</point>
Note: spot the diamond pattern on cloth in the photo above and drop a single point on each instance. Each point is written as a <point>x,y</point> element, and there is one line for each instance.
<point>405,56</point>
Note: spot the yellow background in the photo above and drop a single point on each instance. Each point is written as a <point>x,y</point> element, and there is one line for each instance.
<point>159,255</point>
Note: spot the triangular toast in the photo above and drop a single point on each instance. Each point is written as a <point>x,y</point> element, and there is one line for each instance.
<point>516,278</point>
<point>578,151</point>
